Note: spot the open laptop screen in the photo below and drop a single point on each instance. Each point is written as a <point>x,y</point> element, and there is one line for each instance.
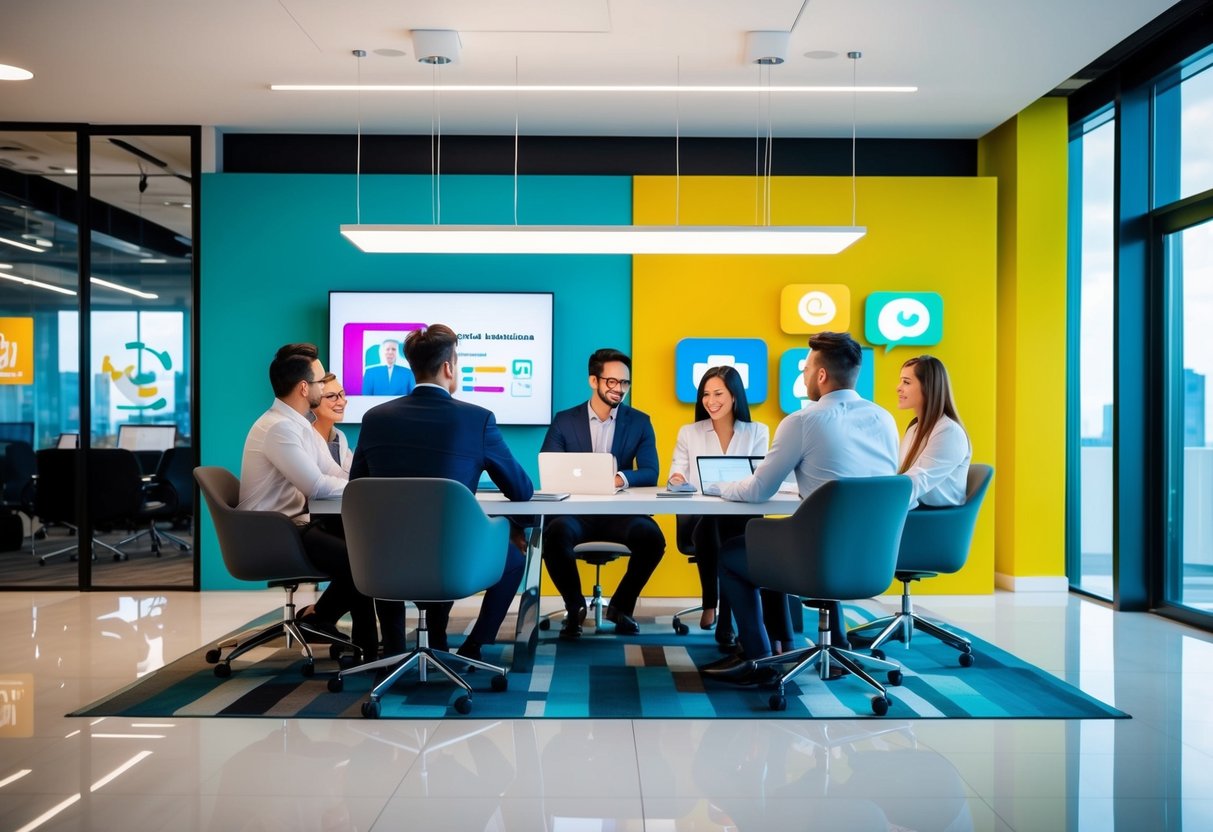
<point>717,469</point>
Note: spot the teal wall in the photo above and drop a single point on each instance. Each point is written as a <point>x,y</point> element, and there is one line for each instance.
<point>272,251</point>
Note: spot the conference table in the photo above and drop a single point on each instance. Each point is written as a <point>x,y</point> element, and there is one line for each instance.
<point>630,501</point>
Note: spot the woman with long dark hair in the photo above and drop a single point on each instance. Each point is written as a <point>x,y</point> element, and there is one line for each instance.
<point>722,427</point>
<point>935,452</point>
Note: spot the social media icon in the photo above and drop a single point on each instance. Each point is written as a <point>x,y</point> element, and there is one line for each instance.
<point>814,307</point>
<point>794,393</point>
<point>909,318</point>
<point>694,356</point>
<point>523,368</point>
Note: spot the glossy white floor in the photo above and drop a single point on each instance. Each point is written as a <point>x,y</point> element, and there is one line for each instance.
<point>1152,772</point>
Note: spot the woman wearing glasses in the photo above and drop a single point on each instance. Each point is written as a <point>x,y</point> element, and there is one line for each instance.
<point>328,413</point>
<point>935,451</point>
<point>722,427</point>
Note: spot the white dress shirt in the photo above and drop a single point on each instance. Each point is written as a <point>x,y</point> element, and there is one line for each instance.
<point>941,473</point>
<point>842,435</point>
<point>699,439</point>
<point>286,463</point>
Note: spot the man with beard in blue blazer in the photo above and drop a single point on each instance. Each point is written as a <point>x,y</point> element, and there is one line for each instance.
<point>605,424</point>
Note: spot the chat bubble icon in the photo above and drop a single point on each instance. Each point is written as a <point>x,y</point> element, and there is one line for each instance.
<point>904,318</point>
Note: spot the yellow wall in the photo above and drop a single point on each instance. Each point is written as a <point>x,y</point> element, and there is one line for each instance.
<point>924,234</point>
<point>1027,155</point>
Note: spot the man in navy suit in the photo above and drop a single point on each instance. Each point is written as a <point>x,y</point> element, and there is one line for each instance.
<point>387,379</point>
<point>431,434</point>
<point>605,424</point>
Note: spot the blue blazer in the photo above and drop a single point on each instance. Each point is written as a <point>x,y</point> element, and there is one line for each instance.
<point>375,381</point>
<point>634,446</point>
<point>430,434</point>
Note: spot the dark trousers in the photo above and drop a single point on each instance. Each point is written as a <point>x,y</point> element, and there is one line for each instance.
<point>640,534</point>
<point>327,553</point>
<point>493,610</point>
<point>747,604</point>
<point>708,535</point>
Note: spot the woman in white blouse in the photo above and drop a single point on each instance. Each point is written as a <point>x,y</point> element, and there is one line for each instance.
<point>328,413</point>
<point>935,451</point>
<point>722,427</point>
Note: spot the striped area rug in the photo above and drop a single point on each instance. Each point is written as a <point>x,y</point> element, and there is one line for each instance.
<point>606,676</point>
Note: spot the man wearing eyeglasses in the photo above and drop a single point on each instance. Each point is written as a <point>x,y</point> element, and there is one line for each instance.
<point>285,464</point>
<point>605,424</point>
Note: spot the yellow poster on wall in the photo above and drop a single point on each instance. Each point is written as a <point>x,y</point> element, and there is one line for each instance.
<point>16,350</point>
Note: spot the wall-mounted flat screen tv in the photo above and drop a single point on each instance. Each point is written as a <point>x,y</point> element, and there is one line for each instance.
<point>505,348</point>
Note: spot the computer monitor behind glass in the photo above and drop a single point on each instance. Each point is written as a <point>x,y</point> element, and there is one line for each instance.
<point>147,437</point>
<point>17,432</point>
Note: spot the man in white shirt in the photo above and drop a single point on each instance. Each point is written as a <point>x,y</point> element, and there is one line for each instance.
<point>286,463</point>
<point>840,435</point>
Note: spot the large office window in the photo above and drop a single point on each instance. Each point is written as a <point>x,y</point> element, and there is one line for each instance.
<point>1189,270</point>
<point>1092,154</point>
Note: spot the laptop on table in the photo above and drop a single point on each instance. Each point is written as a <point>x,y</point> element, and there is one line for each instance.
<point>577,473</point>
<point>714,470</point>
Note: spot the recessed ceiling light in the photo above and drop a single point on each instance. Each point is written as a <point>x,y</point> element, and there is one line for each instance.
<point>6,265</point>
<point>152,261</point>
<point>390,53</point>
<point>70,171</point>
<point>14,73</point>
<point>20,244</point>
<point>821,54</point>
<point>579,89</point>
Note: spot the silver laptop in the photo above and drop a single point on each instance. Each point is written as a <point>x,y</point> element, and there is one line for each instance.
<point>577,473</point>
<point>717,469</point>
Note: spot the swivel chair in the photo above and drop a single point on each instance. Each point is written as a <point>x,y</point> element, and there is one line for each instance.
<point>170,494</point>
<point>262,546</point>
<point>841,544</point>
<point>420,539</point>
<point>115,493</point>
<point>935,542</point>
<point>597,553</point>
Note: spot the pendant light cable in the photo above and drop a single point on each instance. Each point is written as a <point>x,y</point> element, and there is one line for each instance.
<point>515,140</point>
<point>359,54</point>
<point>854,56</point>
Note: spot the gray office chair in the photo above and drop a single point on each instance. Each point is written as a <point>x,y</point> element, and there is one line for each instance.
<point>262,546</point>
<point>597,553</point>
<point>841,544</point>
<point>935,542</point>
<point>169,494</point>
<point>420,539</point>
<point>115,494</point>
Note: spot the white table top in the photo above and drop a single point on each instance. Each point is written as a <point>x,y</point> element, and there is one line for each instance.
<point>631,501</point>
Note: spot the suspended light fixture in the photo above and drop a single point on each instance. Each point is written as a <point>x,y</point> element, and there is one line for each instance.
<point>766,239</point>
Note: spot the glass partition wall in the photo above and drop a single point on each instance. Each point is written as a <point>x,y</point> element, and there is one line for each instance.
<point>106,398</point>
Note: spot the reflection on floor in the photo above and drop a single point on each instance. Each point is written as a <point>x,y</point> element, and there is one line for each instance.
<point>173,568</point>
<point>1152,772</point>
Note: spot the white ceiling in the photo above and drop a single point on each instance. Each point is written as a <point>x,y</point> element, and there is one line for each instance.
<point>210,62</point>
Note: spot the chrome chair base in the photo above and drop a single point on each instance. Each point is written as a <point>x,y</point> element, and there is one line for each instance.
<point>290,628</point>
<point>823,656</point>
<point>157,537</point>
<point>902,625</point>
<point>423,657</point>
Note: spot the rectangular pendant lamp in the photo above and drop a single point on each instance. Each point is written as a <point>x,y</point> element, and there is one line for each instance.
<point>601,239</point>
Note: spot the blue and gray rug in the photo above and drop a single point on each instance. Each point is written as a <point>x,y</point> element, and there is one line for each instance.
<point>650,675</point>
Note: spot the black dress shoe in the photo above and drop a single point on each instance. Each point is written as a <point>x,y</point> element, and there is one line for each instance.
<point>738,670</point>
<point>625,625</point>
<point>726,640</point>
<point>723,663</point>
<point>571,628</point>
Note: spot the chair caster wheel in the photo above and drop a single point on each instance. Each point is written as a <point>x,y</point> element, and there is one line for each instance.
<point>336,684</point>
<point>223,670</point>
<point>966,659</point>
<point>308,669</point>
<point>778,702</point>
<point>880,705</point>
<point>370,709</point>
<point>895,678</point>
<point>181,547</point>
<point>878,654</point>
<point>345,661</point>
<point>117,558</point>
<point>545,624</point>
<point>212,656</point>
<point>463,705</point>
<point>680,628</point>
<point>499,683</point>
